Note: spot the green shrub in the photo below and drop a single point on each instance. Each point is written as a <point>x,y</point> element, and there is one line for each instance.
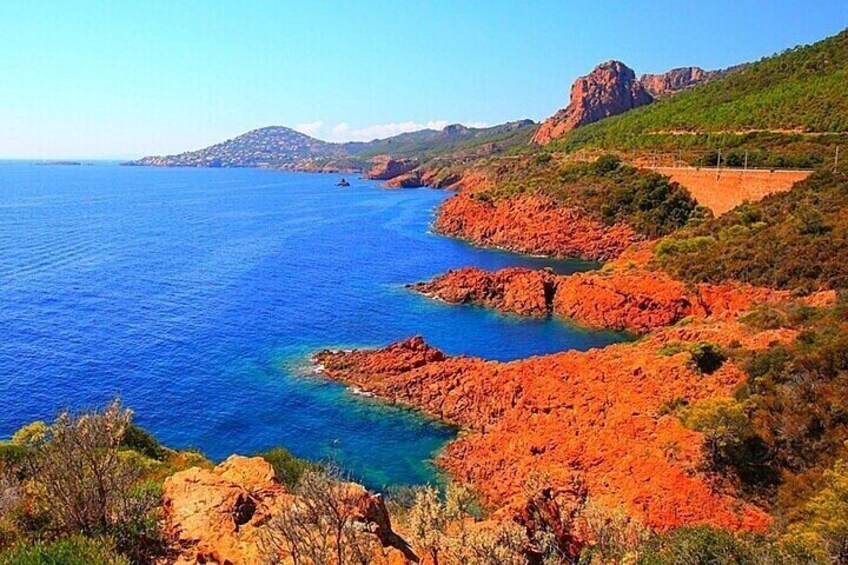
<point>287,468</point>
<point>31,435</point>
<point>606,164</point>
<point>543,158</point>
<point>705,545</point>
<point>76,550</point>
<point>11,455</point>
<point>671,348</point>
<point>822,534</point>
<point>140,440</point>
<point>707,357</point>
<point>675,246</point>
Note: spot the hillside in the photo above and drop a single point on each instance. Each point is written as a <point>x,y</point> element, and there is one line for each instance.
<point>284,148</point>
<point>273,146</point>
<point>794,95</point>
<point>793,240</point>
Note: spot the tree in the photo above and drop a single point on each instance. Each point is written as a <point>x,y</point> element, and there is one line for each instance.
<point>724,425</point>
<point>84,483</point>
<point>823,534</point>
<point>322,526</point>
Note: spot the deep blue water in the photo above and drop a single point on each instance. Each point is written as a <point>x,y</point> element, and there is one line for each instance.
<point>197,295</point>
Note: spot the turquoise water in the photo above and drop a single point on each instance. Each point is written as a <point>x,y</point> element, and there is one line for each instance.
<point>198,295</point>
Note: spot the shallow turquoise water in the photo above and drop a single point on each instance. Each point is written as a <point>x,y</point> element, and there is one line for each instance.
<point>198,295</point>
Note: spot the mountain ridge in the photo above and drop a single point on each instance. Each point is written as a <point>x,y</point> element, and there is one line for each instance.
<point>282,147</point>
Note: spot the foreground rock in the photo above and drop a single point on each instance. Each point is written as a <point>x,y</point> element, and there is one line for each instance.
<point>532,224</point>
<point>610,89</point>
<point>591,417</point>
<point>220,515</point>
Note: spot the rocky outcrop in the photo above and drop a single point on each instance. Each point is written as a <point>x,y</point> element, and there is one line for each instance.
<point>610,89</point>
<point>532,224</point>
<point>675,80</point>
<point>385,167</point>
<point>622,296</point>
<point>525,292</point>
<point>593,418</point>
<point>219,515</point>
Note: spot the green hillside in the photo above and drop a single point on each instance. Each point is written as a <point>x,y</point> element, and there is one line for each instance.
<point>793,240</point>
<point>800,90</point>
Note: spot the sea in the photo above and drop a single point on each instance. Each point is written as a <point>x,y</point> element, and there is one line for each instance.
<point>198,296</point>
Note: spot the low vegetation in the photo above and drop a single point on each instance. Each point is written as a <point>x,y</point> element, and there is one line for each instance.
<point>606,190</point>
<point>794,240</point>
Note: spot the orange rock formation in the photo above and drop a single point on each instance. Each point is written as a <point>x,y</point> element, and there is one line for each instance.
<point>532,224</point>
<point>219,515</point>
<point>623,296</point>
<point>593,416</point>
<point>610,89</point>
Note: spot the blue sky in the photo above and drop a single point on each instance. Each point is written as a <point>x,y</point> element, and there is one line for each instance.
<point>124,79</point>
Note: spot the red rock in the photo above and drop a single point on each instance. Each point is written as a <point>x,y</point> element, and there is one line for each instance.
<point>522,291</point>
<point>384,167</point>
<point>531,224</point>
<point>622,296</point>
<point>676,80</point>
<point>590,416</point>
<point>610,89</point>
<point>219,515</point>
<point>216,516</point>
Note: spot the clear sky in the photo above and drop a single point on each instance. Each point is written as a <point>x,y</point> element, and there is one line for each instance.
<point>130,78</point>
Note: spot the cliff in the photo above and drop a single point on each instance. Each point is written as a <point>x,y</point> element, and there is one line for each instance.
<point>675,80</point>
<point>610,89</point>
<point>385,167</point>
<point>532,224</point>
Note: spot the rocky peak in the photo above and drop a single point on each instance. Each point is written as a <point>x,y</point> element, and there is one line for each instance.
<point>675,80</point>
<point>610,89</point>
<point>454,130</point>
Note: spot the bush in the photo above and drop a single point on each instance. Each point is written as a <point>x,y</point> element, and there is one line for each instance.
<point>705,545</point>
<point>724,425</point>
<point>287,468</point>
<point>76,550</point>
<point>543,158</point>
<point>606,164</point>
<point>81,480</point>
<point>823,533</point>
<point>707,357</point>
<point>140,440</point>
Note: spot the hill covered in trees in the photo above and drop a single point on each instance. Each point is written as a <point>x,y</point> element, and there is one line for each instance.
<point>798,94</point>
<point>280,147</point>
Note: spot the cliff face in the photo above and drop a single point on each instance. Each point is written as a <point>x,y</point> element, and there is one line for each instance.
<point>610,89</point>
<point>385,167</point>
<point>532,224</point>
<point>675,80</point>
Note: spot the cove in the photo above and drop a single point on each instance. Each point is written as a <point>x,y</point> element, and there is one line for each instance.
<point>199,295</point>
